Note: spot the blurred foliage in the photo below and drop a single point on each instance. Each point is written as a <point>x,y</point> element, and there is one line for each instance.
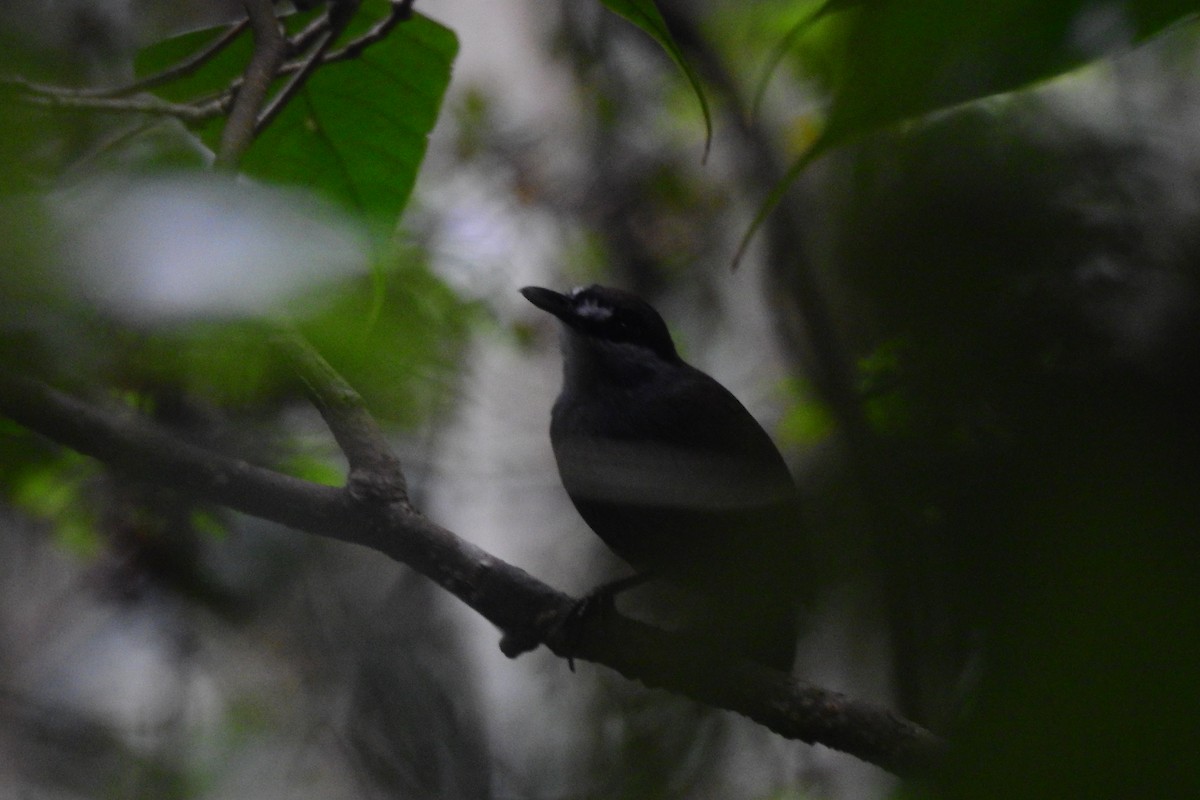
<point>883,61</point>
<point>899,59</point>
<point>1018,297</point>
<point>1033,328</point>
<point>808,421</point>
<point>356,133</point>
<point>51,485</point>
<point>904,58</point>
<point>645,14</point>
<point>398,342</point>
<point>1004,196</point>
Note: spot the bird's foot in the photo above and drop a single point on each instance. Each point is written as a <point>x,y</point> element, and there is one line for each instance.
<point>599,602</point>
<point>566,626</point>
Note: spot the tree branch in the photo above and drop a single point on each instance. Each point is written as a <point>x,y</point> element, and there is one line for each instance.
<point>182,69</point>
<point>317,39</point>
<point>314,41</point>
<point>192,113</point>
<point>507,596</point>
<point>374,469</point>
<point>270,48</point>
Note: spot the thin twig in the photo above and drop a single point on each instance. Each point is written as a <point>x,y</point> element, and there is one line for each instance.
<point>185,67</point>
<point>401,10</point>
<point>374,469</point>
<point>202,110</point>
<point>296,82</point>
<point>302,40</point>
<point>182,69</point>
<point>189,113</point>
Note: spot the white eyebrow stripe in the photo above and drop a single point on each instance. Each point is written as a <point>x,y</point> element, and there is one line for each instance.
<point>593,310</point>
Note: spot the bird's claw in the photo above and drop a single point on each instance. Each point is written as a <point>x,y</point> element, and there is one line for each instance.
<point>599,602</point>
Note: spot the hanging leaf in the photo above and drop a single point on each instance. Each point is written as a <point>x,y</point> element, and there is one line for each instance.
<point>908,58</point>
<point>646,16</point>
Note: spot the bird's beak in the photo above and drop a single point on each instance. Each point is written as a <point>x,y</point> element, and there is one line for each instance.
<point>550,301</point>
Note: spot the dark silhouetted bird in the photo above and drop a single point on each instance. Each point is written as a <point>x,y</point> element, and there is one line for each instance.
<point>673,473</point>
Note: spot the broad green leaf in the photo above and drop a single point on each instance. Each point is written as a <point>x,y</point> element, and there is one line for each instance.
<point>905,58</point>
<point>358,130</point>
<point>646,16</point>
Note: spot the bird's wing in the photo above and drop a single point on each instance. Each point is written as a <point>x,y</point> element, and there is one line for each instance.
<point>683,442</point>
<point>695,411</point>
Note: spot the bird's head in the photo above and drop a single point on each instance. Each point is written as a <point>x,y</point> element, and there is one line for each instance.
<point>608,321</point>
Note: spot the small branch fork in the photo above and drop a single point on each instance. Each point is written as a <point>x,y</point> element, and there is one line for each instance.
<point>245,99</point>
<point>373,510</point>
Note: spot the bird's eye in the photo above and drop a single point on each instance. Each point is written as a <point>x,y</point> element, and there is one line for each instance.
<point>624,325</point>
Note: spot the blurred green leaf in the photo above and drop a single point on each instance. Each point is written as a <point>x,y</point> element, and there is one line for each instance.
<point>229,363</point>
<point>33,141</point>
<point>886,400</point>
<point>807,421</point>
<point>54,490</point>
<point>906,58</point>
<point>209,523</point>
<point>645,15</point>
<point>313,468</point>
<point>397,339</point>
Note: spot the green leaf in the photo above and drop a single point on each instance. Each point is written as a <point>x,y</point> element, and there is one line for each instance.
<point>397,339</point>
<point>214,75</point>
<point>907,58</point>
<point>358,130</point>
<point>56,489</point>
<point>646,16</point>
<point>788,42</point>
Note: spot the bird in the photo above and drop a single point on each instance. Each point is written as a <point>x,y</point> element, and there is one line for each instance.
<point>673,474</point>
